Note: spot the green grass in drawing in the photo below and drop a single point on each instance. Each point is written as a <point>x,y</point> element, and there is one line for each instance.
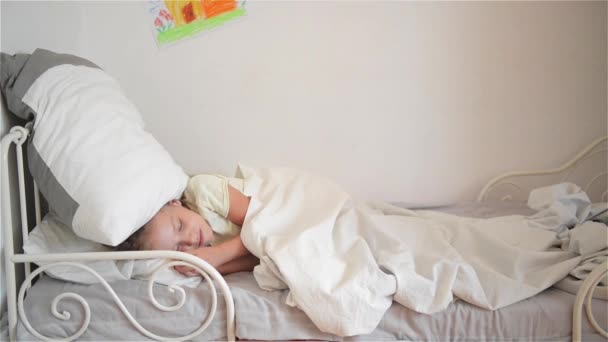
<point>197,26</point>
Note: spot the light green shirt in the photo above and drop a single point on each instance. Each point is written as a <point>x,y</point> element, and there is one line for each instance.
<point>209,195</point>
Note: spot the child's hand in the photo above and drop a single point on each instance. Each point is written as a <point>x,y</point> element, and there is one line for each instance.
<point>204,253</point>
<point>215,256</point>
<point>187,271</point>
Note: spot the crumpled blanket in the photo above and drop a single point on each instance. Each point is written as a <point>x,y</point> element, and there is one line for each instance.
<point>344,263</point>
<point>590,241</point>
<point>565,209</point>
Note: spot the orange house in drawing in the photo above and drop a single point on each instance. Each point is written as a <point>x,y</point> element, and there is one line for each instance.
<point>185,12</point>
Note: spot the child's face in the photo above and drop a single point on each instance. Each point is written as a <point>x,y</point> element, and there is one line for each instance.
<point>176,228</point>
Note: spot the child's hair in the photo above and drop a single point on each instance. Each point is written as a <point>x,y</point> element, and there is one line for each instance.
<point>186,203</point>
<point>135,241</point>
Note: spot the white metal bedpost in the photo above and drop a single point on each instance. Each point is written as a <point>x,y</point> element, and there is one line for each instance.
<point>496,180</point>
<point>588,286</point>
<point>18,136</point>
<point>583,297</point>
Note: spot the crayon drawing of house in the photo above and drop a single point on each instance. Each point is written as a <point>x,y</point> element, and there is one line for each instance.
<point>177,19</point>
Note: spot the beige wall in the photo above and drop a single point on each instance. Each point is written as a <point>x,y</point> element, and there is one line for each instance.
<point>398,101</point>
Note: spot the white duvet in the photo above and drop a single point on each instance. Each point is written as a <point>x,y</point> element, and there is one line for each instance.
<point>345,263</point>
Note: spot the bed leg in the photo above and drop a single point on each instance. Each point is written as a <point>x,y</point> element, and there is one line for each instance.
<point>584,295</point>
<point>16,135</point>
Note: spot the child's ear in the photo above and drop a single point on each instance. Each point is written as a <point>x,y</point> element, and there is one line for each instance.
<point>175,202</point>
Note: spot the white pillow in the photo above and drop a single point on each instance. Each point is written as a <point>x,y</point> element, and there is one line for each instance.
<point>102,174</point>
<point>51,236</point>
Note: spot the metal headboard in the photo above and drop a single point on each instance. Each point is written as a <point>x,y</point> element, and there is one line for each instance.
<point>588,169</point>
<point>583,171</point>
<point>17,136</point>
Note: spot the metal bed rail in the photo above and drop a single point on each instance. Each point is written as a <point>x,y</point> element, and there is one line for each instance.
<point>18,136</point>
<point>597,149</point>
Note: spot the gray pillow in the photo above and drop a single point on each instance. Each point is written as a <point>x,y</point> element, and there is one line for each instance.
<point>101,172</point>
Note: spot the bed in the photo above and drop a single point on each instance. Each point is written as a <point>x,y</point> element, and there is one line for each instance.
<point>235,307</point>
<point>103,176</point>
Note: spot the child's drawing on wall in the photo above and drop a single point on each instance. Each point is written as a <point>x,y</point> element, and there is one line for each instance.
<point>177,19</point>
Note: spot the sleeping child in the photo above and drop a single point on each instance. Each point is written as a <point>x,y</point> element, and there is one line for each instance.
<point>344,263</point>
<point>206,222</point>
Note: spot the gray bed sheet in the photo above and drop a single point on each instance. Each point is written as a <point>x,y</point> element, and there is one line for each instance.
<point>262,315</point>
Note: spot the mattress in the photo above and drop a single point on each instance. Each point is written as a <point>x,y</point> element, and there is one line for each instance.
<point>264,315</point>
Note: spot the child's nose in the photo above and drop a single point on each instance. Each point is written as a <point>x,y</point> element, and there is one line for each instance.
<point>193,239</point>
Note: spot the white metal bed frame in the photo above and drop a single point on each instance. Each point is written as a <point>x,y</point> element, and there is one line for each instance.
<point>18,136</point>
<point>508,182</point>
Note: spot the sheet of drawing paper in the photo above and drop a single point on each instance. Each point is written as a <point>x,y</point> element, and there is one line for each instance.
<point>174,20</point>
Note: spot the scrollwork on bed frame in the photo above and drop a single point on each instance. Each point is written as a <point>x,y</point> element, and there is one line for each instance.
<point>113,256</point>
<point>581,170</point>
<point>583,296</point>
<point>18,136</point>
<point>506,187</point>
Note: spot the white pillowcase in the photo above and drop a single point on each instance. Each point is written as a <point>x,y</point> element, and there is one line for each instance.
<point>97,149</point>
<point>51,236</point>
<point>100,171</point>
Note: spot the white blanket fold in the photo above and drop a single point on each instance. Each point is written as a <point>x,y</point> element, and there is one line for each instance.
<point>345,263</point>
